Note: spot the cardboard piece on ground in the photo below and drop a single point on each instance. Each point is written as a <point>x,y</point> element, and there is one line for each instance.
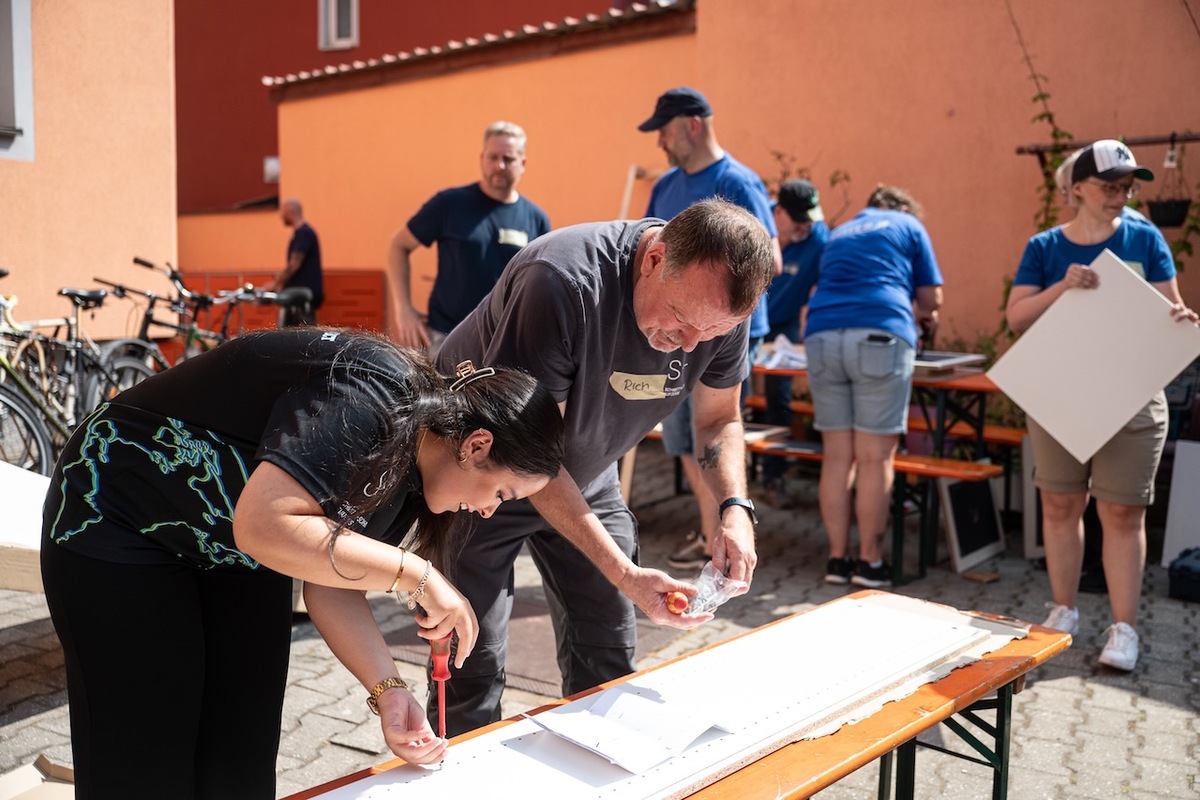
<point>1183,513</point>
<point>41,780</point>
<point>1095,357</point>
<point>21,496</point>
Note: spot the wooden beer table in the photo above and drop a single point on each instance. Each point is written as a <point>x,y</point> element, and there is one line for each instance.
<point>967,695</point>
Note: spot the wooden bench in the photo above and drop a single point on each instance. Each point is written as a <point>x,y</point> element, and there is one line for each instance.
<point>1007,440</point>
<point>999,435</point>
<point>917,466</point>
<point>758,402</point>
<point>753,432</point>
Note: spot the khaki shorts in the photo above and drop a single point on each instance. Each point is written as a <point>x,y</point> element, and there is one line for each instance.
<point>1122,471</point>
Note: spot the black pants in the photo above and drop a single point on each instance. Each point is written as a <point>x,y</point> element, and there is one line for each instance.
<point>594,624</point>
<point>175,676</point>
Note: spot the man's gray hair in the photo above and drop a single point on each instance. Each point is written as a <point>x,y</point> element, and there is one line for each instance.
<point>504,128</point>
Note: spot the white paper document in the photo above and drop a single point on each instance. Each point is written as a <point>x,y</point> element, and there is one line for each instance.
<point>1096,357</point>
<point>631,727</point>
<point>786,355</point>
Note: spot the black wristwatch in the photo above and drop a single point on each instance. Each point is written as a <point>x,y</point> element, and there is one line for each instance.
<point>744,502</point>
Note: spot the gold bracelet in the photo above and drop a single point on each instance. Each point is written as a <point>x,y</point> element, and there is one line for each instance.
<point>378,689</point>
<point>399,572</point>
<point>419,592</point>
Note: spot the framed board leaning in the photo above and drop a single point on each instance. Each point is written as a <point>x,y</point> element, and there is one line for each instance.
<point>973,529</point>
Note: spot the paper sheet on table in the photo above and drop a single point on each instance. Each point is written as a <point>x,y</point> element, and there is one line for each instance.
<point>633,728</point>
<point>786,355</point>
<point>1095,357</point>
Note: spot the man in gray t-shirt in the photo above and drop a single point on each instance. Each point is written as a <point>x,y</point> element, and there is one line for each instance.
<point>620,321</point>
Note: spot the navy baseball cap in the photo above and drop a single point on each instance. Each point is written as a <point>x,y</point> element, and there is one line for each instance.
<point>682,101</point>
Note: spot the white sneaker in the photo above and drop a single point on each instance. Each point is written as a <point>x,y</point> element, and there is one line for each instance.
<point>1121,652</point>
<point>1062,618</point>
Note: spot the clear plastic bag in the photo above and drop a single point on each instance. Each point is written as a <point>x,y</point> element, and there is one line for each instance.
<point>714,589</point>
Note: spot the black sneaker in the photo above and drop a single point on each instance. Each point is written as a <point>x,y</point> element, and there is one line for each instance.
<point>839,570</point>
<point>872,577</point>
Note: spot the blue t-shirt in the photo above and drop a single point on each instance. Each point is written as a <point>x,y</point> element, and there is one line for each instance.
<point>1139,244</point>
<point>476,237</point>
<point>730,180</point>
<point>790,290</point>
<point>870,272</point>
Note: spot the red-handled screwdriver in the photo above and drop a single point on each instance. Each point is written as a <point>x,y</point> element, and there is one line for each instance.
<point>439,649</point>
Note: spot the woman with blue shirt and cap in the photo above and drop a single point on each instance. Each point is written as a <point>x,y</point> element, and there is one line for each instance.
<point>1103,177</point>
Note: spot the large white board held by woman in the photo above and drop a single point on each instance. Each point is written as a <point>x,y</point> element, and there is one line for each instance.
<point>1095,357</point>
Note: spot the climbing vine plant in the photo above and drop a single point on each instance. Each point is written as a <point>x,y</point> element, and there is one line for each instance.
<point>1047,211</point>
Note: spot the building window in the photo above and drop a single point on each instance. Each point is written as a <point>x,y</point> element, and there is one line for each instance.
<point>16,80</point>
<point>338,24</point>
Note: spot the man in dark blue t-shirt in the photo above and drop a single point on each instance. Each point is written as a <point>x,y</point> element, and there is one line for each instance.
<point>478,229</point>
<point>303,264</point>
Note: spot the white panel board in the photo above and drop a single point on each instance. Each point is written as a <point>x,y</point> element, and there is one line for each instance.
<point>803,677</point>
<point>1095,357</point>
<point>21,496</point>
<point>1183,515</point>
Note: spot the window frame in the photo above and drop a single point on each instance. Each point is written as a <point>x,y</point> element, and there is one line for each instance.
<point>327,23</point>
<point>16,91</point>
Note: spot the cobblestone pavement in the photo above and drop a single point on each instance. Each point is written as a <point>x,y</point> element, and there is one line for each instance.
<point>1079,731</point>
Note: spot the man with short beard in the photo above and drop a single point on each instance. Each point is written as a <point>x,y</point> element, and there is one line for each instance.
<point>478,229</point>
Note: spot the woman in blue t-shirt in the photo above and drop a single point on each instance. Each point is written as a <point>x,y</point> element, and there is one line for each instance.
<point>1121,474</point>
<point>877,278</point>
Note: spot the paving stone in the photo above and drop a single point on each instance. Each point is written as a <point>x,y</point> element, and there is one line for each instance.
<point>1079,731</point>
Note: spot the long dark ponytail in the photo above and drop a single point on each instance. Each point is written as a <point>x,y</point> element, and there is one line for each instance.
<point>525,422</point>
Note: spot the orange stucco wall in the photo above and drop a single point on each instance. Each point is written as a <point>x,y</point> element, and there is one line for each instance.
<point>234,242</point>
<point>931,95</point>
<point>363,162</point>
<point>101,186</point>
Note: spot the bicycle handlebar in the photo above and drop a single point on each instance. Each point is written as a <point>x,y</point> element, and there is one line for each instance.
<point>201,301</point>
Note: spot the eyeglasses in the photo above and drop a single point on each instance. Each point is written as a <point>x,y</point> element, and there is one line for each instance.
<point>1127,190</point>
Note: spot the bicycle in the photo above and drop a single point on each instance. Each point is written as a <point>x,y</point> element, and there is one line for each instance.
<point>189,306</point>
<point>54,379</point>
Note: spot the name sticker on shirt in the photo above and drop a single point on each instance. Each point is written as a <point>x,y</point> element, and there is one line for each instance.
<point>513,237</point>
<point>638,387</point>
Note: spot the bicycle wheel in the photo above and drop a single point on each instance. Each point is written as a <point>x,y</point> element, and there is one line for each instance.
<point>138,349</point>
<point>116,375</point>
<point>24,438</point>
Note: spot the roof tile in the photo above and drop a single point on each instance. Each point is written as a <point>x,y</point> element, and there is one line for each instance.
<point>568,25</point>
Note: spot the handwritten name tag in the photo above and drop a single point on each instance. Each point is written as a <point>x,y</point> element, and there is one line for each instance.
<point>513,237</point>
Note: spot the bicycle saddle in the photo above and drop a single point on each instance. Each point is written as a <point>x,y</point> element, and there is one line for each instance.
<point>85,298</point>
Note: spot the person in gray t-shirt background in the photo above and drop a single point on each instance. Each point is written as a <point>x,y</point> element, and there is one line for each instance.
<point>620,321</point>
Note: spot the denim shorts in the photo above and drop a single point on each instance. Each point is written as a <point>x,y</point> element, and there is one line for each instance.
<point>860,379</point>
<point>677,430</point>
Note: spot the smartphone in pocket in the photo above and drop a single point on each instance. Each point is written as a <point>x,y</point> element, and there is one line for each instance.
<point>881,338</point>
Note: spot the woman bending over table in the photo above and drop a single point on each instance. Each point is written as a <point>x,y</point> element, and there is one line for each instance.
<point>180,512</point>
